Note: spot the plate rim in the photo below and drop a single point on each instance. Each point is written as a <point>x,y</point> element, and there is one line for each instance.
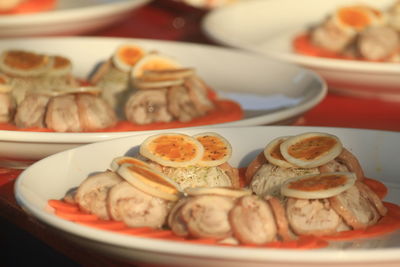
<point>62,15</point>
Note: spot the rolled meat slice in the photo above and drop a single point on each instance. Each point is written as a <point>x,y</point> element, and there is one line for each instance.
<point>135,208</point>
<point>94,112</point>
<point>206,216</point>
<point>180,105</point>
<point>63,114</point>
<point>282,224</point>
<point>233,174</point>
<point>378,43</point>
<point>198,93</point>
<point>254,166</point>
<point>175,220</point>
<point>32,111</point>
<point>312,216</point>
<point>372,197</point>
<point>92,193</point>
<point>355,209</point>
<point>7,107</point>
<point>148,106</point>
<point>252,221</point>
<point>351,162</point>
<point>345,162</point>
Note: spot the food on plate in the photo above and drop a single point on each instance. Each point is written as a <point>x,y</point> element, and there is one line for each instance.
<point>7,105</point>
<point>355,32</point>
<point>186,159</point>
<point>299,155</point>
<point>10,7</point>
<point>331,199</point>
<point>43,93</point>
<point>134,89</point>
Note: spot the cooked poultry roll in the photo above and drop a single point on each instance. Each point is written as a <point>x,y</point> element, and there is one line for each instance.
<point>32,111</point>
<point>148,106</point>
<point>92,193</point>
<point>136,208</point>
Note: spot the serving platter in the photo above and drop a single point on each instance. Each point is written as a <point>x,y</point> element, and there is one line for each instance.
<point>69,17</point>
<point>270,92</point>
<point>50,178</point>
<point>269,27</point>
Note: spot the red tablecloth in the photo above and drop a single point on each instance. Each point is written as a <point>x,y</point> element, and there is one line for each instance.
<point>163,20</point>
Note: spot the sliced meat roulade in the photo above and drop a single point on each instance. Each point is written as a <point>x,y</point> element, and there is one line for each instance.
<point>135,208</point>
<point>148,106</point>
<point>312,216</point>
<point>92,193</point>
<point>355,209</point>
<point>206,216</point>
<point>32,111</point>
<point>252,221</point>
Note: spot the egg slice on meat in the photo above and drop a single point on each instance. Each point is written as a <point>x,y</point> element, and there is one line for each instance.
<point>317,186</point>
<point>24,64</point>
<point>172,149</point>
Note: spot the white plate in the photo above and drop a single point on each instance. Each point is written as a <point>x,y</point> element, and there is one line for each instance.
<point>268,27</point>
<point>270,92</point>
<point>70,17</point>
<point>50,178</point>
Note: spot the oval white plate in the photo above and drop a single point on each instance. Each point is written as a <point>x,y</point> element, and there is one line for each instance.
<point>270,92</point>
<point>70,17</point>
<point>50,178</point>
<point>268,27</point>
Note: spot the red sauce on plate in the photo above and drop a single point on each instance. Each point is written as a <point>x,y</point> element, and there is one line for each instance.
<point>387,224</point>
<point>31,6</point>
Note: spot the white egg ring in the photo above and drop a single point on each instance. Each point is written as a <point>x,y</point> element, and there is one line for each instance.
<point>119,64</point>
<point>135,179</point>
<point>144,151</point>
<point>323,193</point>
<point>320,160</point>
<point>137,70</point>
<point>221,191</point>
<point>118,161</point>
<point>213,163</point>
<point>275,161</point>
<point>24,72</point>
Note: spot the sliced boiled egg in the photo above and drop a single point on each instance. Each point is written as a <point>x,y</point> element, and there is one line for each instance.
<point>358,17</point>
<point>118,161</point>
<point>272,153</point>
<point>221,191</point>
<point>316,186</point>
<point>127,55</point>
<point>311,150</point>
<point>153,62</point>
<point>217,150</point>
<point>168,74</point>
<point>150,181</point>
<point>24,63</point>
<point>142,83</point>
<point>61,66</point>
<point>172,149</point>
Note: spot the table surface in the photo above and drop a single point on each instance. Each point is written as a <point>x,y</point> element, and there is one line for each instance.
<point>158,20</point>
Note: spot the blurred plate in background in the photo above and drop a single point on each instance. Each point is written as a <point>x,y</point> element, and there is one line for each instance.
<point>70,17</point>
<point>268,27</point>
